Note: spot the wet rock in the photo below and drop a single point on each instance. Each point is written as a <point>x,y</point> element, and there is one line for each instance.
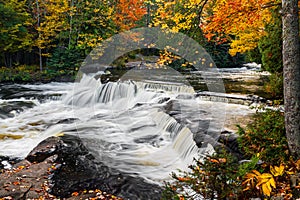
<point>163,100</point>
<point>7,162</point>
<point>185,96</point>
<point>44,150</point>
<point>61,166</point>
<point>9,109</point>
<point>67,121</point>
<point>230,140</point>
<point>172,108</point>
<point>79,169</point>
<point>93,68</point>
<point>26,180</point>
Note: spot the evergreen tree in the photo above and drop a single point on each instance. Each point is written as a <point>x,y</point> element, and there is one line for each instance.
<point>270,46</point>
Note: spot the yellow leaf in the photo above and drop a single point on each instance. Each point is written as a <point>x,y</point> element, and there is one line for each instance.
<point>277,171</point>
<point>266,181</point>
<point>290,172</point>
<point>250,178</point>
<point>265,176</point>
<point>266,190</point>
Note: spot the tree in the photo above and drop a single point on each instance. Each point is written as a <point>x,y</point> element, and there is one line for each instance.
<point>50,18</point>
<point>291,73</point>
<point>128,12</point>
<point>270,46</point>
<point>14,22</point>
<point>185,16</point>
<point>240,21</point>
<point>91,23</point>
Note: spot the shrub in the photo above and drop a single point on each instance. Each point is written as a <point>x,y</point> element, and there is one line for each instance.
<point>253,55</point>
<point>270,46</point>
<point>22,73</point>
<point>65,60</point>
<point>274,87</point>
<point>217,176</point>
<point>266,136</point>
<point>222,176</point>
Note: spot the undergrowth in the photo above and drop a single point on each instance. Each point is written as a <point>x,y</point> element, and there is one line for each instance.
<point>267,172</point>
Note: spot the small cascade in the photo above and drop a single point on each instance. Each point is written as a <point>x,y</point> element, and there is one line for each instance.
<point>91,91</point>
<point>157,86</point>
<point>182,137</point>
<point>231,98</point>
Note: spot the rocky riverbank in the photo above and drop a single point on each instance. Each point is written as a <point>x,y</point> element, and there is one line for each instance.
<point>61,167</point>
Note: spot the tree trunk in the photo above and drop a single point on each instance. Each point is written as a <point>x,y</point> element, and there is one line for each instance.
<point>38,25</point>
<point>41,59</point>
<point>291,74</point>
<point>71,24</point>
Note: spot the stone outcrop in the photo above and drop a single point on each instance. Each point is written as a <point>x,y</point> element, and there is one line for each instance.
<point>62,167</point>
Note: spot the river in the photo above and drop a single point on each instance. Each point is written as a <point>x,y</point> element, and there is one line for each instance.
<point>142,126</point>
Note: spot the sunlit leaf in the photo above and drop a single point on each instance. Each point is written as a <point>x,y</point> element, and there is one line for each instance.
<point>266,182</point>
<point>277,171</point>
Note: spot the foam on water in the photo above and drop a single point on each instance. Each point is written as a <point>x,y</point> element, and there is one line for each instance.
<point>123,124</point>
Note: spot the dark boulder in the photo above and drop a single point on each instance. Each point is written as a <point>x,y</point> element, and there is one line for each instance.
<point>60,167</point>
<point>44,150</point>
<point>76,169</point>
<point>230,141</point>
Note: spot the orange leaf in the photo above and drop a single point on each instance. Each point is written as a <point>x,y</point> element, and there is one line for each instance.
<point>75,194</point>
<point>183,179</point>
<point>214,160</point>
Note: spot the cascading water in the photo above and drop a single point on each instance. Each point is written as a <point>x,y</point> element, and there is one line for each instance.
<point>122,123</point>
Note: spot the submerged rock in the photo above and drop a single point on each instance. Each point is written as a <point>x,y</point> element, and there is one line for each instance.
<point>61,166</point>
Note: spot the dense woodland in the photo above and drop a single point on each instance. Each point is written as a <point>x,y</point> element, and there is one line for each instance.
<point>54,36</point>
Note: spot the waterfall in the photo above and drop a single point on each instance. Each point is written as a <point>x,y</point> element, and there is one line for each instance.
<point>90,91</point>
<point>124,124</point>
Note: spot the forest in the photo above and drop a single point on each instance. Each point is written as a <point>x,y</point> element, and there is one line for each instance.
<point>47,40</point>
<point>52,37</point>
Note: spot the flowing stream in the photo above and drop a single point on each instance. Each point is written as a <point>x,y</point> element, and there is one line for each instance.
<point>142,127</point>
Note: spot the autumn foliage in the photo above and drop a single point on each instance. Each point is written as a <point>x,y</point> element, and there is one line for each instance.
<point>239,21</point>
<point>128,12</point>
